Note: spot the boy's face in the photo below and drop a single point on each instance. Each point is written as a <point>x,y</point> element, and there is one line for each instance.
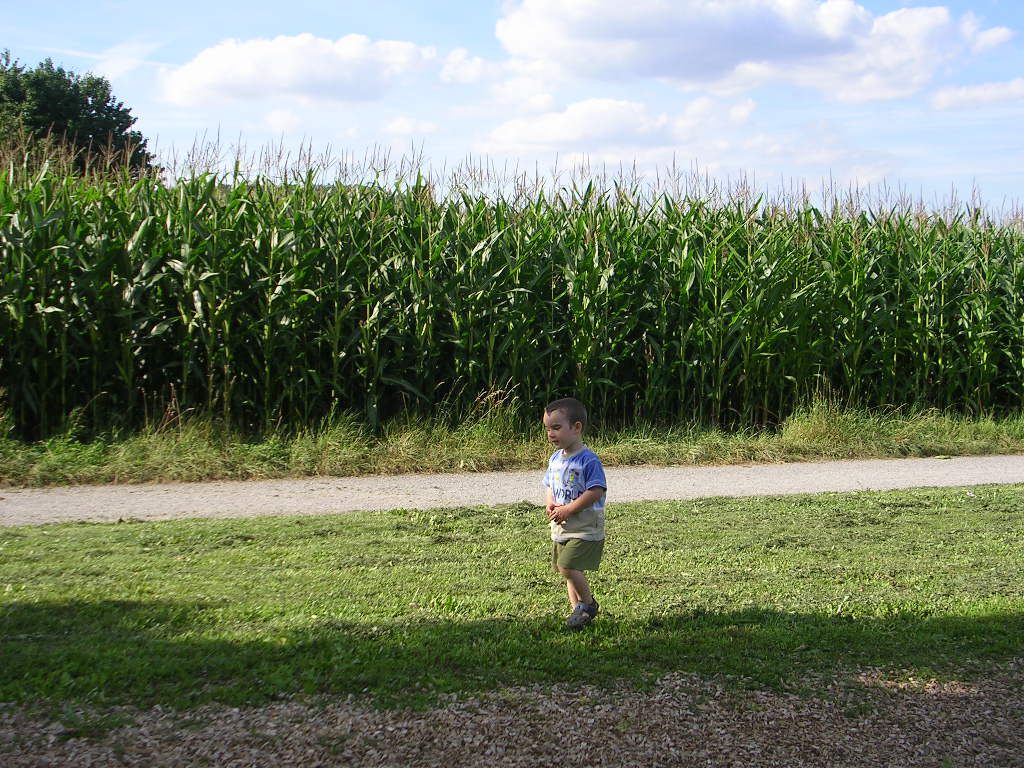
<point>560,432</point>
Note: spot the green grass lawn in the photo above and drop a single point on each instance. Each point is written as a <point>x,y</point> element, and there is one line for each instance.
<point>405,605</point>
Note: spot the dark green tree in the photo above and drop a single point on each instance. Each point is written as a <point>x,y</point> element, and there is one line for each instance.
<point>49,101</point>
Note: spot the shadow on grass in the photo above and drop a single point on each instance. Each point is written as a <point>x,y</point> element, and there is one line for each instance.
<point>177,654</point>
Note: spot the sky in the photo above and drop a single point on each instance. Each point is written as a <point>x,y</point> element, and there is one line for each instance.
<point>923,97</point>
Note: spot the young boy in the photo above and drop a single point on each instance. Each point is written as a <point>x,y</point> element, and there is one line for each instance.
<point>576,489</point>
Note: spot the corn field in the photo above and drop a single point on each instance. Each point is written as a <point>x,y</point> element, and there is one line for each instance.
<point>267,303</point>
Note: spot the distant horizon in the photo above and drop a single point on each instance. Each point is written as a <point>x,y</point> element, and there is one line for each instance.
<point>921,97</point>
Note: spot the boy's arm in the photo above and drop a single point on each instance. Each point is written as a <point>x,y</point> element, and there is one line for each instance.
<point>584,500</point>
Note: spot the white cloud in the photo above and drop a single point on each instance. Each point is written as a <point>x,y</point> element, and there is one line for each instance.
<point>593,121</point>
<point>684,39</point>
<point>122,59</point>
<point>282,120</point>
<point>836,46</point>
<point>351,68</point>
<point>520,84</point>
<point>740,113</point>
<point>460,67</point>
<point>979,39</point>
<point>510,87</point>
<point>982,95</point>
<point>526,94</point>
<point>990,38</point>
<point>526,86</point>
<point>897,59</point>
<point>596,124</point>
<point>111,62</point>
<point>409,126</point>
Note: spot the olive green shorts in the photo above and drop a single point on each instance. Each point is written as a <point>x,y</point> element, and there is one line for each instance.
<point>577,555</point>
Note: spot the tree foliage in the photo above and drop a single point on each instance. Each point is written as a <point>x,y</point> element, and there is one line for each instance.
<point>49,102</point>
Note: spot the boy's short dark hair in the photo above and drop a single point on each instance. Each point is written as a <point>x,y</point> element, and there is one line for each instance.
<point>574,409</point>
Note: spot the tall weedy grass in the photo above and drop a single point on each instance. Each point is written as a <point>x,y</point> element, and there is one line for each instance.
<point>274,300</point>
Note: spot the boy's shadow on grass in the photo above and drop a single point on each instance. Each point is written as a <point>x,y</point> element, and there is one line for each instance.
<point>180,653</point>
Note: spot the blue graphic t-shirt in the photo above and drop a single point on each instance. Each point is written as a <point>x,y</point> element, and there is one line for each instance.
<point>568,477</point>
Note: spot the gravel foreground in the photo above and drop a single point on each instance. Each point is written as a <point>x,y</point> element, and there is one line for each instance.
<point>863,720</point>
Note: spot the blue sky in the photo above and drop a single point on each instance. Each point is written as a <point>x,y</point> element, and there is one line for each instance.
<point>921,96</point>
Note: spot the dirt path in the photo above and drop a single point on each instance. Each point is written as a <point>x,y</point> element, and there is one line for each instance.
<point>327,495</point>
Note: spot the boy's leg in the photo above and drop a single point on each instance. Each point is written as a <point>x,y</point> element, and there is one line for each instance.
<point>577,586</point>
<point>584,606</point>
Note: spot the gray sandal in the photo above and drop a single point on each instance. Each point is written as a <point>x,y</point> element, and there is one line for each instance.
<point>582,615</point>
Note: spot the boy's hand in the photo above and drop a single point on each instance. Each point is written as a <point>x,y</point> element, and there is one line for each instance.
<point>559,514</point>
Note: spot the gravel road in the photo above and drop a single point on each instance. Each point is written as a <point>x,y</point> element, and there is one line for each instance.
<point>329,495</point>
